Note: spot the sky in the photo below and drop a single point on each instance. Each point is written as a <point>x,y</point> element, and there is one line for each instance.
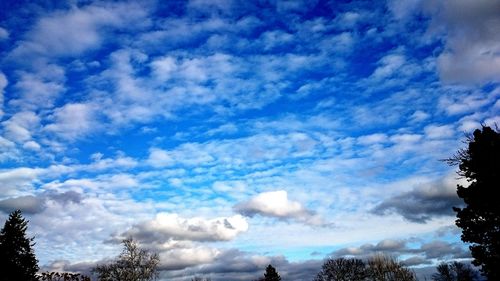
<point>226,135</point>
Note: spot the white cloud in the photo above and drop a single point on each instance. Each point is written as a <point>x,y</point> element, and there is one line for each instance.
<point>159,158</point>
<point>37,90</point>
<point>388,66</point>
<point>79,29</point>
<point>439,132</point>
<point>17,181</point>
<point>191,255</point>
<point>168,226</point>
<point>31,145</point>
<point>372,139</point>
<point>21,126</point>
<point>73,120</point>
<point>276,204</point>
<point>4,34</point>
<point>120,162</point>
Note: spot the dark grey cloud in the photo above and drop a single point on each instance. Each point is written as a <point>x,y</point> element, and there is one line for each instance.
<point>27,204</point>
<point>32,204</point>
<point>233,265</point>
<point>442,250</point>
<point>423,202</point>
<point>472,50</point>
<point>424,254</point>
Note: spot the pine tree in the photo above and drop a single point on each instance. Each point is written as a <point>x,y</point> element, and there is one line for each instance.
<point>17,259</point>
<point>271,274</point>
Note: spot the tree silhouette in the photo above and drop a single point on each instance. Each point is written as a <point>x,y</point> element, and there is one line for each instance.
<point>271,274</point>
<point>133,264</point>
<point>455,271</point>
<point>480,218</point>
<point>17,259</point>
<point>63,276</point>
<point>342,269</point>
<point>377,268</point>
<point>385,268</point>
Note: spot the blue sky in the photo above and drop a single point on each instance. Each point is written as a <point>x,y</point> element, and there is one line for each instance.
<point>226,135</point>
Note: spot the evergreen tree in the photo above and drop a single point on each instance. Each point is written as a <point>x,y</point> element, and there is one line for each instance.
<point>17,259</point>
<point>271,274</point>
<point>480,218</point>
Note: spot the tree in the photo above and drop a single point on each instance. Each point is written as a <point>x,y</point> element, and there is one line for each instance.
<point>133,264</point>
<point>63,276</point>
<point>480,218</point>
<point>17,259</point>
<point>377,268</point>
<point>384,268</point>
<point>342,269</point>
<point>455,271</point>
<point>271,274</point>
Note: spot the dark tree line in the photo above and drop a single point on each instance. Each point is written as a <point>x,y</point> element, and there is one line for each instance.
<point>377,268</point>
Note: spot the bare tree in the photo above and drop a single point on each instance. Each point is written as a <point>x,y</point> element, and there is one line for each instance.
<point>384,268</point>
<point>133,264</point>
<point>342,269</point>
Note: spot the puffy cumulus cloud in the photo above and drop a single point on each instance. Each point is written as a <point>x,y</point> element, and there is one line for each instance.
<point>472,51</point>
<point>39,89</point>
<point>63,33</point>
<point>168,226</point>
<point>21,126</point>
<point>183,257</point>
<point>15,182</point>
<point>424,202</point>
<point>73,120</point>
<point>159,158</point>
<point>276,204</point>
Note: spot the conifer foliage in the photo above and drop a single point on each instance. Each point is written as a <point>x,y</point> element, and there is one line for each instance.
<point>17,259</point>
<point>271,274</point>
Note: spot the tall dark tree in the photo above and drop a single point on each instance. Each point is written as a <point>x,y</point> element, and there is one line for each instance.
<point>480,218</point>
<point>271,274</point>
<point>17,259</point>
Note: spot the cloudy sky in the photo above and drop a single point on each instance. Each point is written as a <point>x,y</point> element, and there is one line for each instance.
<point>227,134</point>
